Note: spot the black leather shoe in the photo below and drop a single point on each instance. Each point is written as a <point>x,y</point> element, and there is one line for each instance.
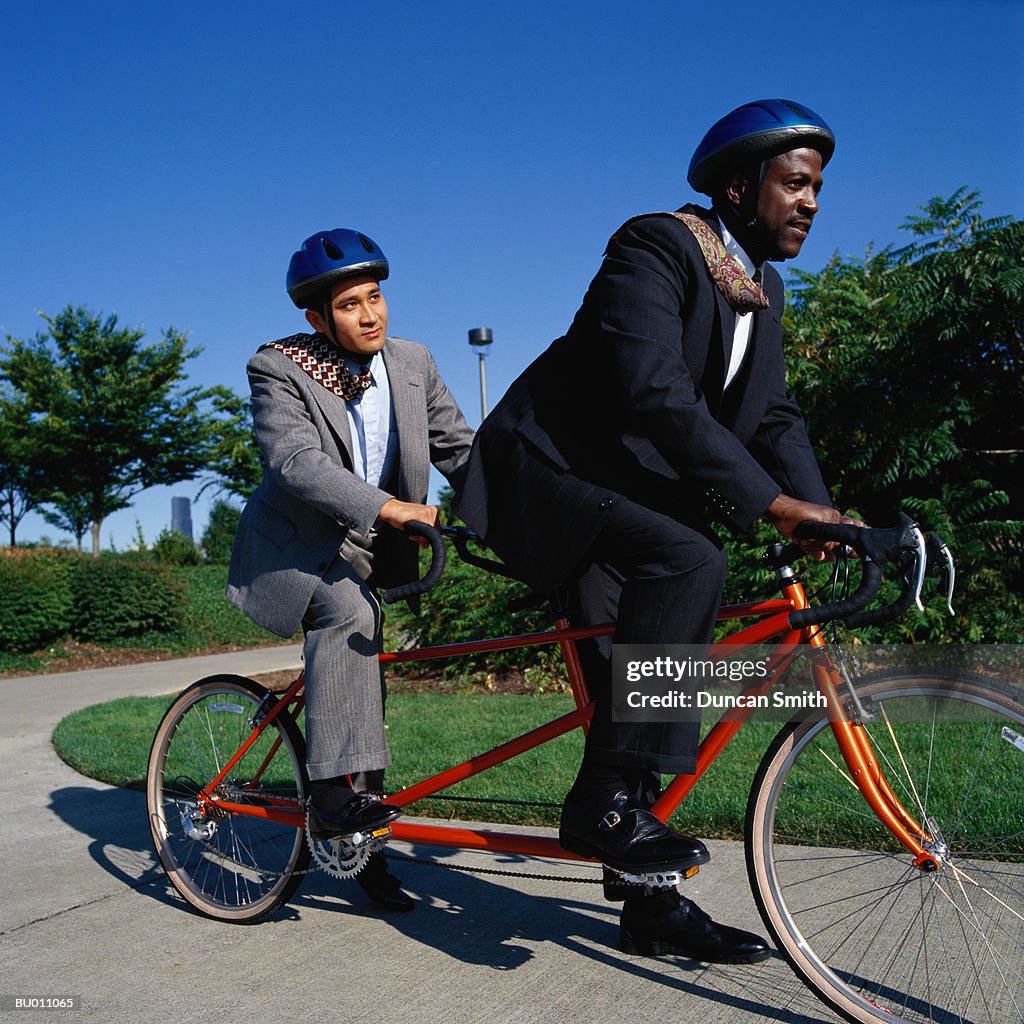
<point>621,834</point>
<point>667,924</point>
<point>363,813</point>
<point>383,887</point>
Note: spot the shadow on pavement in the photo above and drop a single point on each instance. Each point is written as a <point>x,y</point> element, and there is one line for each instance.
<point>465,916</point>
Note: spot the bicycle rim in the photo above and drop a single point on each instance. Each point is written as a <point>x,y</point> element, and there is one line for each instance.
<point>232,867</point>
<point>876,938</point>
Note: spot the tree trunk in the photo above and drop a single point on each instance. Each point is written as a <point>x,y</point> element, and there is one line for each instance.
<point>94,530</point>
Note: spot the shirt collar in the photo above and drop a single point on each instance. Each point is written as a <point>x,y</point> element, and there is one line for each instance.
<point>734,249</point>
<point>355,366</point>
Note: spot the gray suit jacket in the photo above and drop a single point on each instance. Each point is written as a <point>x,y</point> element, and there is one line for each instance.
<point>295,522</point>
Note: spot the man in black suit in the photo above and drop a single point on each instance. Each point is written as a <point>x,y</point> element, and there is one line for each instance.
<point>615,458</point>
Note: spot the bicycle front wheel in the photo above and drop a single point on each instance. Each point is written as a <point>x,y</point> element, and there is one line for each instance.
<point>230,866</point>
<point>875,937</point>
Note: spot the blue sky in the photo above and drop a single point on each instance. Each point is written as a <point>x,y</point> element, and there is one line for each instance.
<point>163,162</point>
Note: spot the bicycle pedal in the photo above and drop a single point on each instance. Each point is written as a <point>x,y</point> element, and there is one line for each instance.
<point>361,838</point>
<point>658,879</point>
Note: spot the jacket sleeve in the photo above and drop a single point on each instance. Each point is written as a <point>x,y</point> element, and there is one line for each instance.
<point>781,446</point>
<point>293,448</point>
<point>641,293</point>
<point>450,438</point>
<point>780,443</point>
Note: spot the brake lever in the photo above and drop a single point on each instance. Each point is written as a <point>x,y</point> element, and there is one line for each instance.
<point>921,558</point>
<point>938,549</point>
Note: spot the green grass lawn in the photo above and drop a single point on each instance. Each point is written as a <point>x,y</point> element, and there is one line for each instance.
<point>429,732</point>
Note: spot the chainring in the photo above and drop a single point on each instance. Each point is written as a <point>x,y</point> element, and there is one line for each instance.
<point>345,856</point>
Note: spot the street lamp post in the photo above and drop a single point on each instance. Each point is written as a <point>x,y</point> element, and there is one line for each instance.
<point>480,338</point>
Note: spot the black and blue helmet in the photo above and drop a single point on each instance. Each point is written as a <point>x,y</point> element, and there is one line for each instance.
<point>327,257</point>
<point>757,130</point>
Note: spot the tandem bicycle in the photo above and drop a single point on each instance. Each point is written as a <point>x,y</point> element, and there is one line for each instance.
<point>884,832</point>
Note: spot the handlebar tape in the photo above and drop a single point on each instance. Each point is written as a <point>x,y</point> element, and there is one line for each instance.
<point>434,570</point>
<point>875,616</point>
<point>877,547</point>
<point>871,579</point>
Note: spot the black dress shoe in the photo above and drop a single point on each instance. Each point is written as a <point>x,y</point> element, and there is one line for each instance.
<point>667,924</point>
<point>383,887</point>
<point>363,813</point>
<point>625,836</point>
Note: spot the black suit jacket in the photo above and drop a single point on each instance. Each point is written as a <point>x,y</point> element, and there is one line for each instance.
<point>630,402</point>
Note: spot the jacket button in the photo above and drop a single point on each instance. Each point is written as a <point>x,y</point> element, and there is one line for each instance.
<point>606,503</point>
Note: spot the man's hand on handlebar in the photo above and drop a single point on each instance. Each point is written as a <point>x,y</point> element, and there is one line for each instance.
<point>785,513</point>
<point>397,513</point>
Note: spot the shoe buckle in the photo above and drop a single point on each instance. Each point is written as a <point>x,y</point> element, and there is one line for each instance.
<point>611,820</point>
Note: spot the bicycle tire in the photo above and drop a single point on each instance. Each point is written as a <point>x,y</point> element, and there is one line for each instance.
<point>233,867</point>
<point>874,937</point>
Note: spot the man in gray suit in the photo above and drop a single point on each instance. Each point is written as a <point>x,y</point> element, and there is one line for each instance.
<point>349,422</point>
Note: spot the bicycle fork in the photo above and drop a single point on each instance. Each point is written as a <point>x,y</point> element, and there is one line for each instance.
<point>866,774</point>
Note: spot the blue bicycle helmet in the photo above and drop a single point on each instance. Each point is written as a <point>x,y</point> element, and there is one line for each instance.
<point>329,256</point>
<point>757,130</point>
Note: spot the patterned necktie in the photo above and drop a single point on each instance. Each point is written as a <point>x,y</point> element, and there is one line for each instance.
<point>315,356</point>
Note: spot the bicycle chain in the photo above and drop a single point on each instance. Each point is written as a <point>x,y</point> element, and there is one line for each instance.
<point>321,864</point>
<point>317,866</point>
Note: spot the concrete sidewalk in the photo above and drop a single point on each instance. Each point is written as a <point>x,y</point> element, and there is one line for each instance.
<point>85,911</point>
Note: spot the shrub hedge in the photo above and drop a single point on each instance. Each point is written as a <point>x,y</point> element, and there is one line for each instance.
<point>118,596</point>
<point>35,597</point>
<point>48,594</point>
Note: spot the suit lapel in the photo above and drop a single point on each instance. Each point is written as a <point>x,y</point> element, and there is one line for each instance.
<point>409,404</point>
<point>335,412</point>
<point>720,343</point>
<point>766,322</point>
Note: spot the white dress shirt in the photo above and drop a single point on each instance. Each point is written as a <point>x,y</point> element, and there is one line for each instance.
<point>371,421</point>
<point>744,321</point>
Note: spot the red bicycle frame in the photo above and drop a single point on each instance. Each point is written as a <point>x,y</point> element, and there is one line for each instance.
<point>773,622</point>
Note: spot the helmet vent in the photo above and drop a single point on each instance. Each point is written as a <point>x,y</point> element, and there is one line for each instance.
<point>333,252</point>
<point>367,244</point>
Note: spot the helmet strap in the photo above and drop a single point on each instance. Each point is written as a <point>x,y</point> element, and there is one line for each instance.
<point>741,219</point>
<point>328,318</point>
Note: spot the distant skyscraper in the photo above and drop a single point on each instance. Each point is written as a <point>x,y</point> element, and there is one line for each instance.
<point>181,516</point>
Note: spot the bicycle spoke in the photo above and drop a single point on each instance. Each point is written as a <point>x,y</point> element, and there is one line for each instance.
<point>879,939</point>
<point>229,865</point>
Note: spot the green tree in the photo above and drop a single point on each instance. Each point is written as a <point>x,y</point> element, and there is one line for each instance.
<point>111,414</point>
<point>909,367</point>
<point>219,535</point>
<point>22,476</point>
<point>234,458</point>
<point>70,512</point>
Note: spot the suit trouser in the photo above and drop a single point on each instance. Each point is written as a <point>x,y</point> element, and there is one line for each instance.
<point>661,582</point>
<point>345,688</point>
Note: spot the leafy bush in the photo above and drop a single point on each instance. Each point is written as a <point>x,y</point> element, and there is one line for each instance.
<point>209,619</point>
<point>124,596</point>
<point>174,548</point>
<point>35,597</point>
<point>472,604</point>
<point>908,365</point>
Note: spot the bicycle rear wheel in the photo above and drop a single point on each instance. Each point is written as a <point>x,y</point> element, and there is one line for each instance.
<point>232,867</point>
<point>876,938</point>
